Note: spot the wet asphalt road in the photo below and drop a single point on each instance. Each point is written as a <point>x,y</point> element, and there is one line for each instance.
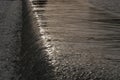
<point>77,42</point>
<point>82,41</point>
<point>109,5</point>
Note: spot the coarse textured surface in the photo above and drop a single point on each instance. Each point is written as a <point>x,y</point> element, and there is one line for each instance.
<point>10,26</point>
<point>60,40</point>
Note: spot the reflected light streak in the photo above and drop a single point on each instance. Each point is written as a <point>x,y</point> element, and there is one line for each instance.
<point>50,48</point>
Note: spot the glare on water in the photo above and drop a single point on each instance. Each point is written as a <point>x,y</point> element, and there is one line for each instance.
<point>82,41</point>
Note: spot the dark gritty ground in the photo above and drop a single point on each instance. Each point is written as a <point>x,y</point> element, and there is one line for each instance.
<point>73,41</point>
<point>10,25</point>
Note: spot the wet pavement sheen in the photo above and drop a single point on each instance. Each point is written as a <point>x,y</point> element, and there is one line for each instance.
<point>83,41</point>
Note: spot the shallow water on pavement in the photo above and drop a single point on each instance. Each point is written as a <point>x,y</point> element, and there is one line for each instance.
<point>83,41</point>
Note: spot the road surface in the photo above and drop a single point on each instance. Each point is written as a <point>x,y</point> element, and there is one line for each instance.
<point>10,26</point>
<point>82,41</point>
<point>79,41</point>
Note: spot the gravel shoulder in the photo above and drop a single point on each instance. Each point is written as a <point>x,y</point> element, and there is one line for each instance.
<point>10,26</point>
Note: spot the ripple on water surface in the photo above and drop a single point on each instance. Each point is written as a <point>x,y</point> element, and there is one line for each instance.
<point>83,40</point>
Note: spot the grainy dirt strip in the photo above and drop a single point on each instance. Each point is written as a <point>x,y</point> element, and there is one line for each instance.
<point>10,26</point>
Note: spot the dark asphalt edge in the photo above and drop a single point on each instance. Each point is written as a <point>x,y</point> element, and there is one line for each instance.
<point>34,62</point>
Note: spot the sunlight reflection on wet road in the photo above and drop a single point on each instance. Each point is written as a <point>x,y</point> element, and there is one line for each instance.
<point>84,40</point>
